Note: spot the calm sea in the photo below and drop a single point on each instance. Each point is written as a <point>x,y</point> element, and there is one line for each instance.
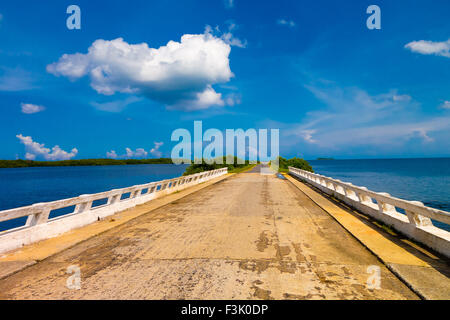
<point>426,180</point>
<point>24,186</point>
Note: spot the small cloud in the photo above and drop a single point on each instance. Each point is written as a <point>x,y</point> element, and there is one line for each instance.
<point>445,105</point>
<point>111,154</point>
<point>228,36</point>
<point>285,22</point>
<point>29,108</point>
<point>307,135</point>
<point>232,99</point>
<point>155,150</point>
<point>421,134</point>
<point>430,47</point>
<point>229,4</point>
<point>139,153</point>
<point>35,149</point>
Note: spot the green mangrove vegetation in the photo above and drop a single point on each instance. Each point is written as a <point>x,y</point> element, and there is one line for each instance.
<point>293,162</point>
<point>81,162</point>
<point>232,168</point>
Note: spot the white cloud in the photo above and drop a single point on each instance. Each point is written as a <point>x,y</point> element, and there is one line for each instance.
<point>130,154</point>
<point>30,156</point>
<point>307,135</point>
<point>445,105</point>
<point>233,99</point>
<point>155,150</point>
<point>35,149</point>
<point>285,22</point>
<point>29,108</point>
<point>139,153</point>
<point>111,154</point>
<point>180,74</point>
<point>430,47</point>
<point>203,100</point>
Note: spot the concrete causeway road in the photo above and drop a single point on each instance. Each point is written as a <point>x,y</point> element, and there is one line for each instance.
<point>249,236</point>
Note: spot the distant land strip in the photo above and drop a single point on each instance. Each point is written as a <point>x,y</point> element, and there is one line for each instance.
<point>81,162</point>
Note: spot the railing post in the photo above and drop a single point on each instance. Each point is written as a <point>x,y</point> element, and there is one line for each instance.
<point>135,193</point>
<point>83,206</point>
<point>349,193</point>
<point>340,189</point>
<point>384,207</point>
<point>417,219</point>
<point>363,198</point>
<point>114,199</point>
<point>38,218</point>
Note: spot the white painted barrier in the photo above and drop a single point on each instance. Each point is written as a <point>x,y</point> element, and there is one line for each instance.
<point>415,223</point>
<point>39,226</point>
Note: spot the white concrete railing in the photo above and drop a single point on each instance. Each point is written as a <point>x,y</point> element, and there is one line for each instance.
<point>39,226</point>
<point>415,223</point>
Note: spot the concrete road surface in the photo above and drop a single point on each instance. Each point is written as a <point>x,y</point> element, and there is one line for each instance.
<point>250,236</point>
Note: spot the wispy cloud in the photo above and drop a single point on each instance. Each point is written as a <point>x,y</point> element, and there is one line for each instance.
<point>228,37</point>
<point>445,105</point>
<point>155,150</point>
<point>285,22</point>
<point>430,47</point>
<point>15,79</point>
<point>35,149</point>
<point>29,108</point>
<point>354,119</point>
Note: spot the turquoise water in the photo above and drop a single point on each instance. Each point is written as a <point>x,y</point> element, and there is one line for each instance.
<point>24,186</point>
<point>425,180</point>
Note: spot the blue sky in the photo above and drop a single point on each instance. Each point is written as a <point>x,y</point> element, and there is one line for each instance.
<point>312,69</point>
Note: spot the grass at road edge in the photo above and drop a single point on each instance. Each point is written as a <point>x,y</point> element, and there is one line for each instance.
<point>242,169</point>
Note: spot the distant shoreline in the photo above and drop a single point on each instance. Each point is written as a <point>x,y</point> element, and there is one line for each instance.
<point>81,162</point>
<point>117,162</point>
